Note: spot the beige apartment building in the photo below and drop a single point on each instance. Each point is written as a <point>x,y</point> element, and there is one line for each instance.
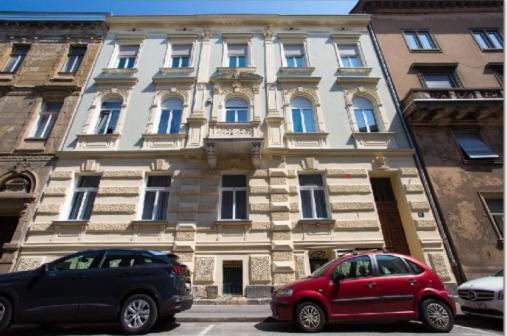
<point>254,147</point>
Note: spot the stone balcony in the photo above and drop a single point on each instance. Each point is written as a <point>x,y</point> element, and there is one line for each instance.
<point>453,105</point>
<point>234,138</point>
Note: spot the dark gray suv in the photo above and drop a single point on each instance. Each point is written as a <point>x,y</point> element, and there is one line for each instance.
<point>134,287</point>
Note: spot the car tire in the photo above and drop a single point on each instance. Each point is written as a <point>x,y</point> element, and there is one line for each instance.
<point>167,320</point>
<point>138,314</point>
<point>436,316</point>
<point>310,317</point>
<point>5,313</point>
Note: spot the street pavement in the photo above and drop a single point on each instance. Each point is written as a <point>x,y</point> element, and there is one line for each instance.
<point>465,326</point>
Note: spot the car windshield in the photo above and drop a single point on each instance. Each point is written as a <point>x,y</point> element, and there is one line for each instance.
<point>321,270</point>
<point>499,273</point>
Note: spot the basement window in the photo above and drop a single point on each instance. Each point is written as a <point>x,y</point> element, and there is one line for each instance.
<point>474,148</point>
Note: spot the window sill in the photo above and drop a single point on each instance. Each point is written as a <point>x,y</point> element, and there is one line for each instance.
<point>356,78</point>
<point>7,76</point>
<point>117,76</point>
<point>64,77</point>
<point>355,70</point>
<point>228,70</point>
<point>150,222</point>
<point>316,221</point>
<point>171,70</point>
<point>436,50</point>
<point>297,70</point>
<point>233,222</point>
<point>35,139</point>
<point>483,162</point>
<point>492,50</point>
<point>71,222</point>
<point>306,140</point>
<point>163,141</point>
<point>97,141</point>
<point>380,140</point>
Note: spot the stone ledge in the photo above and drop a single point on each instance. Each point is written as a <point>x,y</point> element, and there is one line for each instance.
<point>365,225</point>
<point>352,206</point>
<point>48,209</point>
<point>258,190</point>
<point>413,188</point>
<point>406,172</point>
<point>123,175</point>
<point>55,192</point>
<point>277,172</point>
<point>114,209</point>
<point>419,206</point>
<point>107,227</point>
<point>349,189</point>
<point>118,191</point>
<point>346,173</point>
<point>62,175</point>
<point>425,224</point>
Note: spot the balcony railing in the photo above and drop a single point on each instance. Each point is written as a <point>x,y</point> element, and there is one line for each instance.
<point>233,130</point>
<point>453,104</point>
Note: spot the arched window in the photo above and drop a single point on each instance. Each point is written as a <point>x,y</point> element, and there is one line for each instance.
<point>236,110</point>
<point>364,114</point>
<point>108,117</point>
<point>302,115</point>
<point>170,116</point>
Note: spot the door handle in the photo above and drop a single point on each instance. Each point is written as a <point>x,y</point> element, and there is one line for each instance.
<point>412,282</point>
<point>371,284</point>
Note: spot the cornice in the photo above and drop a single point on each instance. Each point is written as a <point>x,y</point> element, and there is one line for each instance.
<point>162,21</point>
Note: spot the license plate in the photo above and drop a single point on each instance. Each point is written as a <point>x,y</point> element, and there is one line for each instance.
<point>479,305</point>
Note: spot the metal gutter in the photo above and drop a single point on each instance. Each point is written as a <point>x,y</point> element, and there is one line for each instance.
<point>422,169</point>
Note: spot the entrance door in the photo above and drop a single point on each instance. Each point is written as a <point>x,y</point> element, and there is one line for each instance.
<point>7,228</point>
<point>233,277</point>
<point>390,220</point>
<point>317,259</point>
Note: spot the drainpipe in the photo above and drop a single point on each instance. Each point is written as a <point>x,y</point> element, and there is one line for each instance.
<point>458,272</point>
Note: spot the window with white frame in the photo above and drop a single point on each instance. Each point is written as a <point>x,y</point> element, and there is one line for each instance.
<point>302,115</point>
<point>474,148</point>
<point>365,115</point>
<point>349,56</point>
<point>294,55</point>
<point>236,110</point>
<point>313,197</point>
<point>420,40</point>
<point>233,197</point>
<point>237,54</point>
<point>108,116</point>
<point>156,197</point>
<point>170,116</point>
<point>74,59</point>
<point>127,55</point>
<point>18,54</point>
<point>84,197</point>
<point>180,55</point>
<point>488,39</point>
<point>46,119</point>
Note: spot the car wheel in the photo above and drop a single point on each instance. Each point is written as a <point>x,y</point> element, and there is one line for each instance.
<point>436,316</point>
<point>138,314</point>
<point>310,317</point>
<point>5,313</point>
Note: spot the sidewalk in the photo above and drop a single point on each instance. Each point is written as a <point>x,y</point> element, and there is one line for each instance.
<point>225,313</point>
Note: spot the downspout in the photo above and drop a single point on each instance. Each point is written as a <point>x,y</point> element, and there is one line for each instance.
<point>458,272</point>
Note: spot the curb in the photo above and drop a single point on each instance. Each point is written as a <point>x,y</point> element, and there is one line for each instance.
<point>226,319</point>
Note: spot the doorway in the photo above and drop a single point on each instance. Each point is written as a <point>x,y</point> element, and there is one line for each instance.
<point>8,226</point>
<point>317,258</point>
<point>232,277</point>
<point>390,221</point>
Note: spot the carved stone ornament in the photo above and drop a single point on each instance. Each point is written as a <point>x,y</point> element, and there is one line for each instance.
<point>89,166</point>
<point>159,165</point>
<point>381,162</point>
<point>204,269</point>
<point>260,268</point>
<point>211,152</point>
<point>309,163</point>
<point>17,183</point>
<point>256,154</point>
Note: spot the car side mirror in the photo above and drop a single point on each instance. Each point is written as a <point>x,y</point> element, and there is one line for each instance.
<point>338,277</point>
<point>44,268</point>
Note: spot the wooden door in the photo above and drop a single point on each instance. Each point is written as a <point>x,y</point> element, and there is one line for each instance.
<point>390,221</point>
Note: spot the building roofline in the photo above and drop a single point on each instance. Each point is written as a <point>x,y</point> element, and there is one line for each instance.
<point>418,6</point>
<point>240,19</point>
<point>52,16</point>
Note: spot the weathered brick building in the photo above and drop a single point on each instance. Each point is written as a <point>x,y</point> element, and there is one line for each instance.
<point>44,62</point>
<point>445,59</point>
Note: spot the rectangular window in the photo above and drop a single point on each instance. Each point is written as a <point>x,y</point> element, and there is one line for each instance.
<point>313,197</point>
<point>84,197</point>
<point>294,55</point>
<point>495,210</point>
<point>46,119</point>
<point>349,56</point>
<point>420,40</point>
<point>156,197</point>
<point>108,118</point>
<point>169,122</point>
<point>439,80</point>
<point>488,39</point>
<point>473,147</point>
<point>303,120</point>
<point>365,119</point>
<point>74,59</point>
<point>127,55</point>
<point>233,198</point>
<point>181,55</point>
<point>237,55</point>
<point>18,54</point>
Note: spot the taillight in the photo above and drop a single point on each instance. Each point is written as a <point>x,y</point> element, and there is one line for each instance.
<point>178,269</point>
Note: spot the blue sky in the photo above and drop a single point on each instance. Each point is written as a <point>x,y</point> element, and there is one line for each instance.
<point>152,7</point>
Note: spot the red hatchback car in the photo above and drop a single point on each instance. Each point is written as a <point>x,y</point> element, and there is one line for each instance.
<point>366,286</point>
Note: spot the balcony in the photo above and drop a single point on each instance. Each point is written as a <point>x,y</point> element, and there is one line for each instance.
<point>234,138</point>
<point>443,106</point>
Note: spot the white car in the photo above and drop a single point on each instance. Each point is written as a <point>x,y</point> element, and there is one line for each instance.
<point>483,297</point>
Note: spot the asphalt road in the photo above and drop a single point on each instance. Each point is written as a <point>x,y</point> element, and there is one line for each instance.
<point>465,326</point>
